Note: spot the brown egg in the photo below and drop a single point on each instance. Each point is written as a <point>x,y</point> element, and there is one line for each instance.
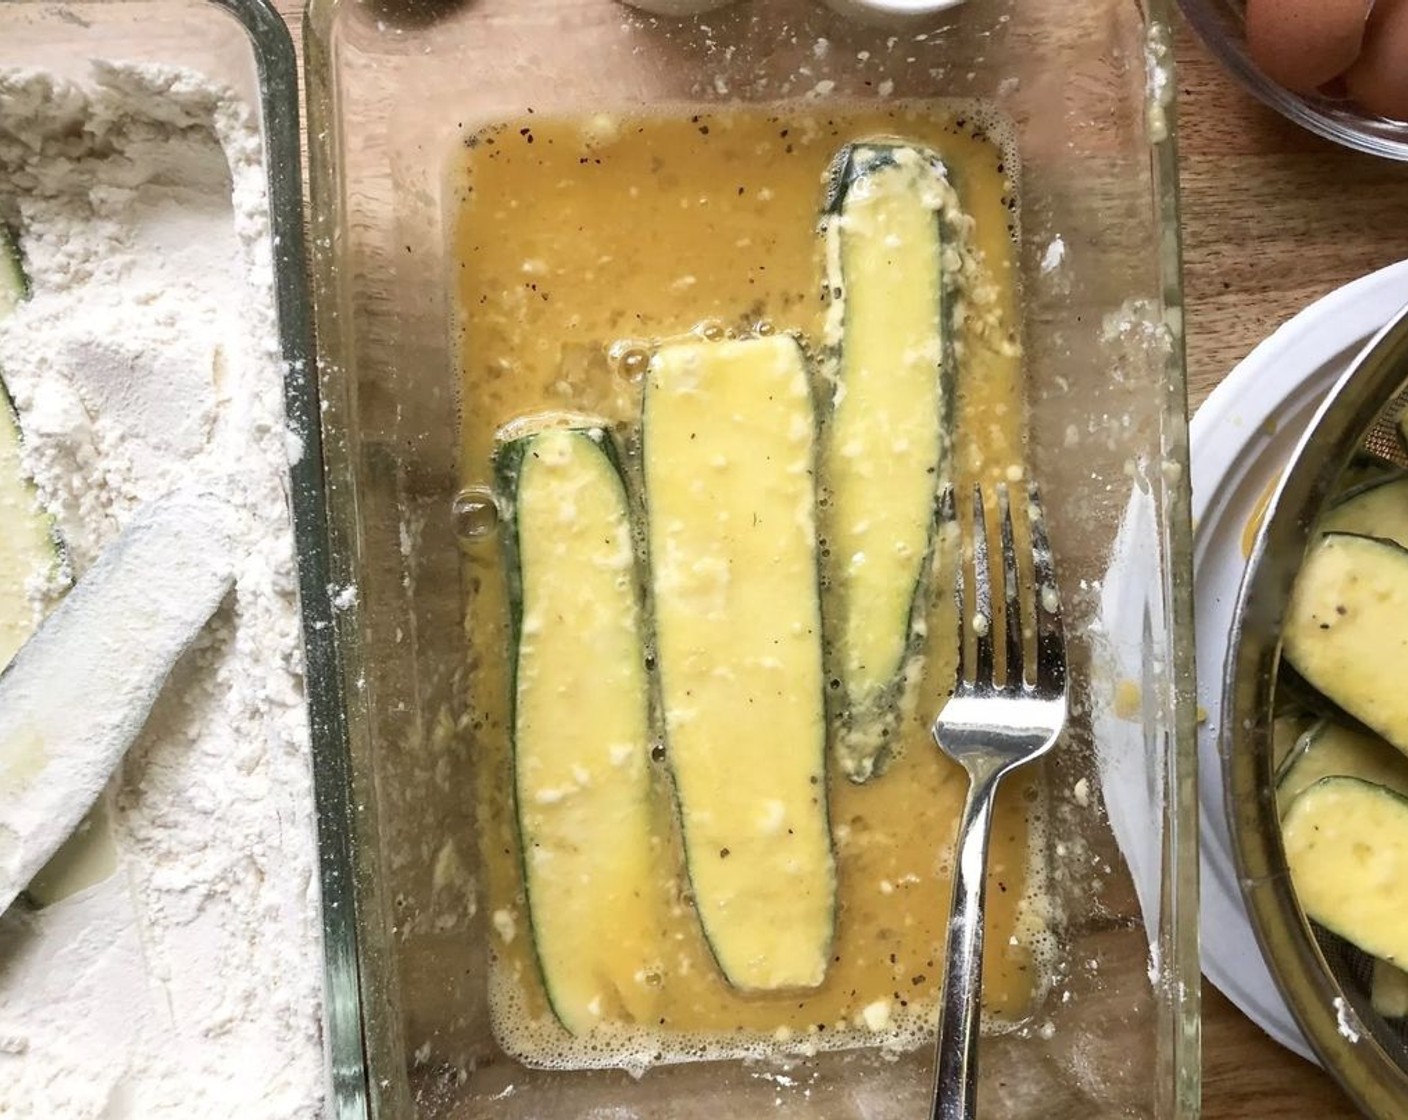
<point>1302,44</point>
<point>1379,79</point>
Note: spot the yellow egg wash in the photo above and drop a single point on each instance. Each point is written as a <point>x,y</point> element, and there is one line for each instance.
<point>580,245</point>
<point>1258,515</point>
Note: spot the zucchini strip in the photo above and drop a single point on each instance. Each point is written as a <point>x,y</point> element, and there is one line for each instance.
<point>1376,509</point>
<point>729,435</point>
<point>581,725</point>
<point>28,546</point>
<point>886,452</point>
<point>30,549</point>
<point>1286,732</point>
<point>1346,629</point>
<point>1346,845</point>
<point>1331,750</point>
<point>74,698</point>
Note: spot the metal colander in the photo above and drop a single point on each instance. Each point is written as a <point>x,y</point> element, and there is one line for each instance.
<point>1383,441</point>
<point>1382,451</point>
<point>1354,970</point>
<point>1325,980</point>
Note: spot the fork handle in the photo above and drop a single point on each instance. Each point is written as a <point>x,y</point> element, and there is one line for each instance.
<point>956,1078</point>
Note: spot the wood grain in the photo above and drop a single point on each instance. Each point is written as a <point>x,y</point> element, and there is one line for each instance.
<point>1272,219</point>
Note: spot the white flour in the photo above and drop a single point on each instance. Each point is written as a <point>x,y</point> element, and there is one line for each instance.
<point>189,983</point>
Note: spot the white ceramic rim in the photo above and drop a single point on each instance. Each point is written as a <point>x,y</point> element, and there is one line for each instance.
<point>1240,439</point>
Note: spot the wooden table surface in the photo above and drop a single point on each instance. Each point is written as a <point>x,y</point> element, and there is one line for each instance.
<point>1273,218</point>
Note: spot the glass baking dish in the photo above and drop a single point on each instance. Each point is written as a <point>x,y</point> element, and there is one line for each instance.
<point>244,44</point>
<point>394,88</point>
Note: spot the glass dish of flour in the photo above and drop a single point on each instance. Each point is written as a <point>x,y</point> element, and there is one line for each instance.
<point>169,962</point>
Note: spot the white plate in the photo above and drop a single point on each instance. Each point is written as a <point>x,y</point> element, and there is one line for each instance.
<point>1240,441</point>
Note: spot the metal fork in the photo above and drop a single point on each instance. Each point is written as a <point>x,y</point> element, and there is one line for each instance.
<point>990,726</point>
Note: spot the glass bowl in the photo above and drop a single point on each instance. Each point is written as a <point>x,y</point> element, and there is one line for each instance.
<point>1325,981</point>
<point>1220,25</point>
<point>395,88</point>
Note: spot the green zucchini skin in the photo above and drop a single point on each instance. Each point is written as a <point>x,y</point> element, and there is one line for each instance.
<point>1286,732</point>
<point>515,440</point>
<point>1363,471</point>
<point>1378,508</point>
<point>853,162</point>
<point>580,720</point>
<point>14,284</point>
<point>878,624</point>
<point>1330,749</point>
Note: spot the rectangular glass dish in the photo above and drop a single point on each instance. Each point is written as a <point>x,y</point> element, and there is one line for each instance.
<point>395,88</point>
<point>244,45</point>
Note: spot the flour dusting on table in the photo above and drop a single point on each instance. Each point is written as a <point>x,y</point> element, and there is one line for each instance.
<point>188,983</point>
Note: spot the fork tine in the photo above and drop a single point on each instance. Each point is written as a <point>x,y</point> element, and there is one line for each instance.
<point>1011,603</point>
<point>982,594</point>
<point>1050,644</point>
<point>948,522</point>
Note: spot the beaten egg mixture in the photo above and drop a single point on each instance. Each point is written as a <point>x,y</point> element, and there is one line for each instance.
<point>580,245</point>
